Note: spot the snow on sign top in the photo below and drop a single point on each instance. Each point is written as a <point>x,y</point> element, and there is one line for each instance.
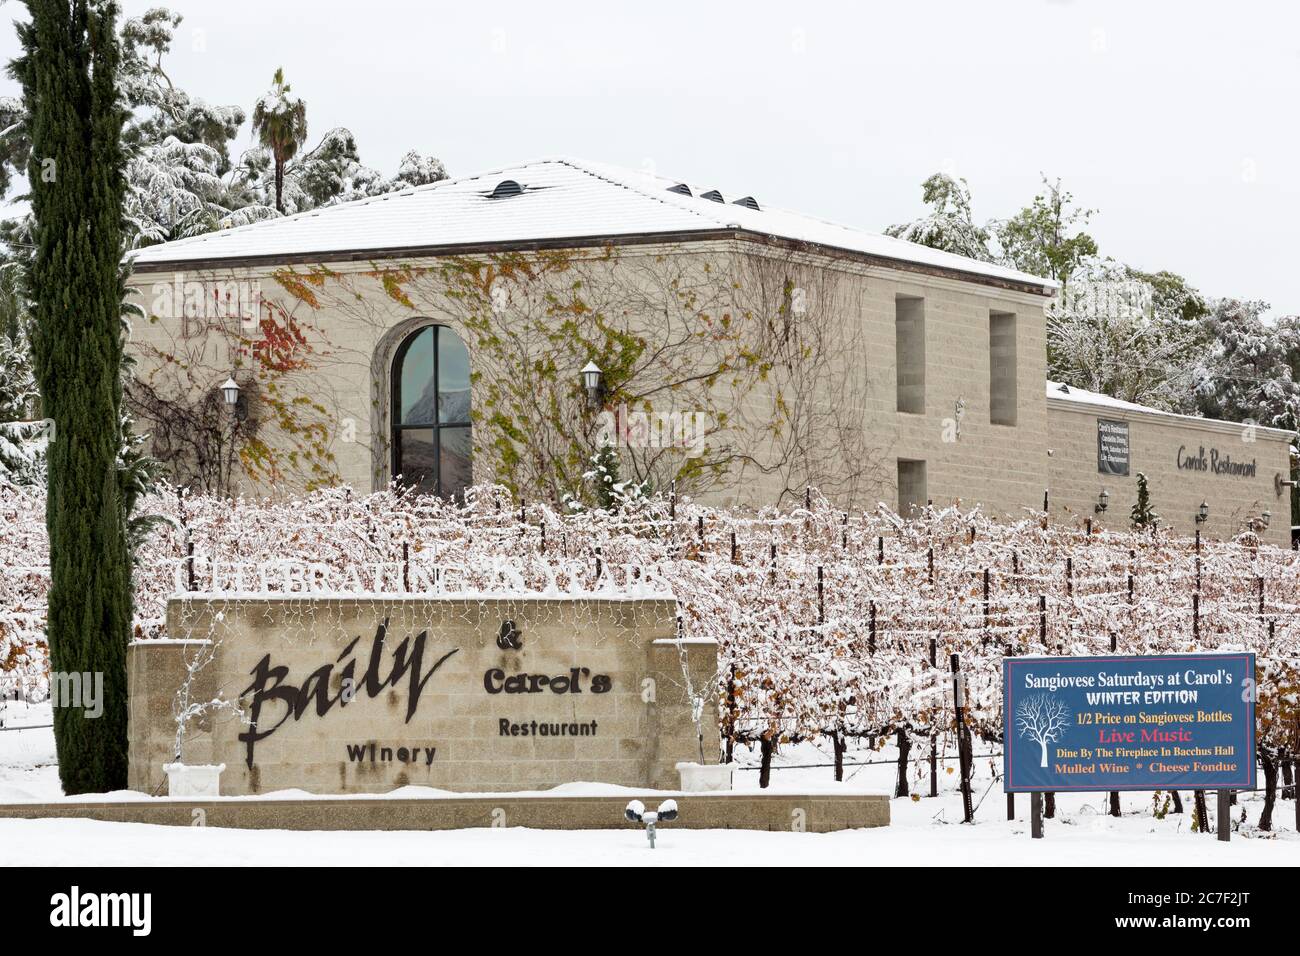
<point>557,199</point>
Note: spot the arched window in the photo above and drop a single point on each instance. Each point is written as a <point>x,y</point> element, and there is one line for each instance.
<point>431,428</point>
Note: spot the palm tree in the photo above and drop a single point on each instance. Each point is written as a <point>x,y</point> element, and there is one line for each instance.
<point>280,121</point>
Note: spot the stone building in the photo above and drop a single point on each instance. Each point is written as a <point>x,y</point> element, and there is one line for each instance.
<point>440,334</point>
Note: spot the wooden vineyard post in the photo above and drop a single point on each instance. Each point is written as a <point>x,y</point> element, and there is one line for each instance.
<point>985,639</point>
<point>821,599</point>
<point>1198,560</point>
<point>1036,815</point>
<point>934,730</point>
<point>731,714</point>
<point>1223,819</point>
<point>959,711</point>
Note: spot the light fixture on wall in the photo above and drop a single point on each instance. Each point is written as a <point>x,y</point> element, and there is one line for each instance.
<point>1202,513</point>
<point>591,381</point>
<point>1103,501</point>
<point>230,391</point>
<point>1279,483</point>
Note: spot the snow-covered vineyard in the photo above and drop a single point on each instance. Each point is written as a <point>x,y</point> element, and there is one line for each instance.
<point>831,625</point>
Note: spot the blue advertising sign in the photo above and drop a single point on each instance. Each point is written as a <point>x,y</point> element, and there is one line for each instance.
<point>1166,722</point>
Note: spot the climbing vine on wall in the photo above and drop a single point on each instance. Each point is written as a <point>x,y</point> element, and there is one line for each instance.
<point>283,428</point>
<point>716,364</point>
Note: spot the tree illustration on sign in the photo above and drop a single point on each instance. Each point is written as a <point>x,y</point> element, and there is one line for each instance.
<point>1042,718</point>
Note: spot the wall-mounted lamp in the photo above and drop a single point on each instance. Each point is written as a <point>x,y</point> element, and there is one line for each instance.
<point>591,381</point>
<point>1279,483</point>
<point>1103,500</point>
<point>1202,513</point>
<point>234,399</point>
<point>230,391</point>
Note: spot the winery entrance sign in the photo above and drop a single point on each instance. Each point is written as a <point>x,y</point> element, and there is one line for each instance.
<point>365,695</point>
<point>1164,722</point>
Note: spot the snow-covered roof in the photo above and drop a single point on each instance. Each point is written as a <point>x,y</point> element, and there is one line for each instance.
<point>561,199</point>
<point>1068,393</point>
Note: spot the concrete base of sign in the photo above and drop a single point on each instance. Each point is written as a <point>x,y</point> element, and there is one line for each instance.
<point>815,813</point>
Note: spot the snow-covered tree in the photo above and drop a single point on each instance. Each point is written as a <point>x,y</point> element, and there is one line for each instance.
<point>949,225</point>
<point>22,440</point>
<point>1143,515</point>
<point>1248,372</point>
<point>608,489</point>
<point>280,122</point>
<point>1121,332</point>
<point>1046,237</point>
<point>416,170</point>
<point>177,146</point>
<point>159,109</point>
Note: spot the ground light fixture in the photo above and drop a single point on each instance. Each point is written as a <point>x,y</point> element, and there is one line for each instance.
<point>1202,513</point>
<point>591,375</point>
<point>1265,517</point>
<point>1103,500</point>
<point>637,813</point>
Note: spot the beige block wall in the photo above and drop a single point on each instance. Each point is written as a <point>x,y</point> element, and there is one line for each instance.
<point>1176,494</point>
<point>643,723</point>
<point>350,381</point>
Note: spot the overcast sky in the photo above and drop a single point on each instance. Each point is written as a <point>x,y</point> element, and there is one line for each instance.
<point>1177,122</point>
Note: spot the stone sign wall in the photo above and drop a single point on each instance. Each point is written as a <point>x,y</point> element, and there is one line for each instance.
<point>336,695</point>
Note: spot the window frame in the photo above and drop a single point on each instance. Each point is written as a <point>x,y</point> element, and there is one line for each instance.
<point>397,426</point>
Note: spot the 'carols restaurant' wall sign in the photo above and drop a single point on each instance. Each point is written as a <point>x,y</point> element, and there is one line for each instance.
<point>1215,462</point>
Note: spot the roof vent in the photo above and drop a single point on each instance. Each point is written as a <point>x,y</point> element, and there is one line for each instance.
<point>681,189</point>
<point>713,195</point>
<point>749,202</point>
<point>505,189</point>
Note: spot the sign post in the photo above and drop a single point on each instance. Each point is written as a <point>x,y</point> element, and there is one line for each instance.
<point>1159,722</point>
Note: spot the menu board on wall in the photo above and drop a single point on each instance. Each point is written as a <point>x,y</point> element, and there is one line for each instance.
<point>1112,447</point>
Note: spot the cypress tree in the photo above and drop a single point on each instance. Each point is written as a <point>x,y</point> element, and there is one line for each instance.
<point>68,70</point>
<point>1143,515</point>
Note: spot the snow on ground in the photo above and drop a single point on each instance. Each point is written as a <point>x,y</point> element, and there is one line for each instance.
<point>923,832</point>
